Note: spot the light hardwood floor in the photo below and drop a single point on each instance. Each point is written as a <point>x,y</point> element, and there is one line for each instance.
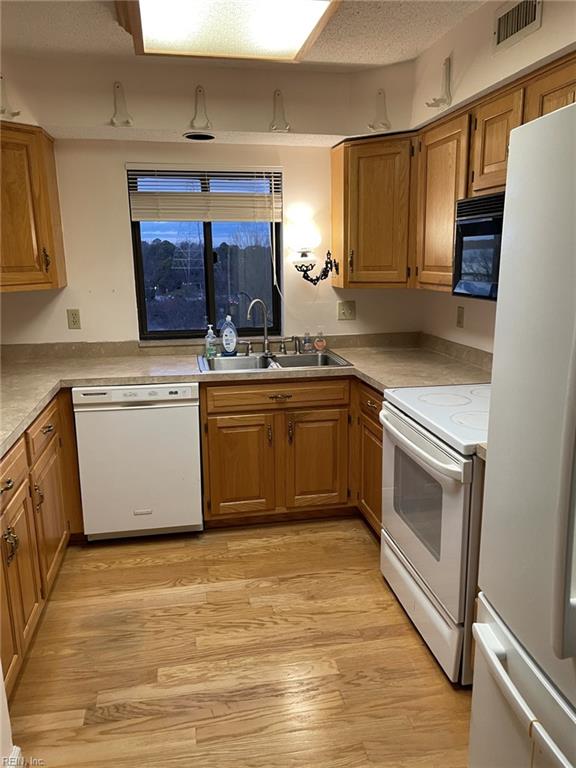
<point>269,647</point>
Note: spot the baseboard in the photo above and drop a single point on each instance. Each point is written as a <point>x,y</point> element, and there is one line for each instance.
<point>295,515</point>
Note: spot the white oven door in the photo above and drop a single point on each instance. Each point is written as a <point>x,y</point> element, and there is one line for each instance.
<point>425,506</point>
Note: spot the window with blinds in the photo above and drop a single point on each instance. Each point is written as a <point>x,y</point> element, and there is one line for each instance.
<point>205,244</point>
<point>205,195</point>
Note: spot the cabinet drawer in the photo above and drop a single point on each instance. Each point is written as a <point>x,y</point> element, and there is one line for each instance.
<point>370,402</point>
<point>13,471</point>
<point>277,396</point>
<point>43,430</point>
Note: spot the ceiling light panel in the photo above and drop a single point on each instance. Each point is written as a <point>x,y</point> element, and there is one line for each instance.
<point>241,29</point>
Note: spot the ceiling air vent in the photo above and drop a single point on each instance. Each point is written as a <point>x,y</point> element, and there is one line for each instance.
<point>516,20</point>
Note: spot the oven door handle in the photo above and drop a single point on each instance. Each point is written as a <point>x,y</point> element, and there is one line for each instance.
<point>450,470</point>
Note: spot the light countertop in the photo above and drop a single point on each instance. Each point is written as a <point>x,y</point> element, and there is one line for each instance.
<point>27,387</point>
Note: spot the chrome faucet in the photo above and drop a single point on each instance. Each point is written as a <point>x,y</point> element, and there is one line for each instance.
<point>265,313</point>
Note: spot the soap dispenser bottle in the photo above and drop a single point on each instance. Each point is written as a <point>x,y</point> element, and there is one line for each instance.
<point>210,341</point>
<point>229,336</point>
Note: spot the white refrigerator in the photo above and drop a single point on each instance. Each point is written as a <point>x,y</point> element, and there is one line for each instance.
<point>524,693</point>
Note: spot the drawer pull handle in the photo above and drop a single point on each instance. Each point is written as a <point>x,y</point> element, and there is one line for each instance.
<point>40,493</point>
<point>47,429</point>
<point>8,485</point>
<point>280,396</point>
<point>13,542</point>
<point>372,404</point>
<point>290,431</point>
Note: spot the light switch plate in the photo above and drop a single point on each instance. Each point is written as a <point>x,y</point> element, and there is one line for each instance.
<point>73,316</point>
<point>460,317</point>
<point>346,310</point>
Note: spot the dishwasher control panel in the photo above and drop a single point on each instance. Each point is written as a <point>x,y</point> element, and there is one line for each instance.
<point>144,393</point>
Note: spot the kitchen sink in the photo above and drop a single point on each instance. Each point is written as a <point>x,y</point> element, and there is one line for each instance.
<point>309,360</point>
<point>261,362</point>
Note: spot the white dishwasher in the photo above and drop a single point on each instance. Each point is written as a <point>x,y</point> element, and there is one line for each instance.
<point>139,457</point>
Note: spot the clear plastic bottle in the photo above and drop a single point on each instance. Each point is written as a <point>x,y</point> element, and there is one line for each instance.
<point>320,342</point>
<point>229,336</point>
<point>210,342</point>
<point>307,345</point>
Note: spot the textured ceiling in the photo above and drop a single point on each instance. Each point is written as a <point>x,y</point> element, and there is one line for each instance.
<point>360,33</point>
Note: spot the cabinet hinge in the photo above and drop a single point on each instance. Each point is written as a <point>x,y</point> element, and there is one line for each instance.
<point>30,491</point>
<point>206,427</point>
<point>208,504</point>
<point>417,270</point>
<point>408,273</point>
<point>475,123</point>
<point>419,146</point>
<point>411,150</point>
<point>349,419</point>
<point>349,493</point>
<point>472,176</point>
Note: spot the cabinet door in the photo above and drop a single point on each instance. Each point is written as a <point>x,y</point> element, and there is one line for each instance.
<point>550,92</point>
<point>70,479</point>
<point>51,525</point>
<point>370,472</point>
<point>442,175</point>
<point>316,457</point>
<point>20,555</point>
<point>23,259</point>
<point>378,215</point>
<point>492,125</point>
<point>241,461</point>
<point>10,651</point>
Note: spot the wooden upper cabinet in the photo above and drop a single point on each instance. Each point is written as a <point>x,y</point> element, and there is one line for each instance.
<point>51,525</point>
<point>551,91</point>
<point>317,457</point>
<point>32,252</point>
<point>492,123</point>
<point>370,212</point>
<point>442,175</point>
<point>241,464</point>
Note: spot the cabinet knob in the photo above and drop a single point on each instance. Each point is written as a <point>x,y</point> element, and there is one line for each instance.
<point>13,542</point>
<point>7,486</point>
<point>47,429</point>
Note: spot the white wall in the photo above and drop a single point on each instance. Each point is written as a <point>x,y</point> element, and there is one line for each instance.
<point>97,239</point>
<point>476,67</point>
<point>438,317</point>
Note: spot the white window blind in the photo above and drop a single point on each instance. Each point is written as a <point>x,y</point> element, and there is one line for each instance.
<point>173,195</point>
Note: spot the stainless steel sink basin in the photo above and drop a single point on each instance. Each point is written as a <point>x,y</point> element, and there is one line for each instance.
<point>237,363</point>
<point>261,362</point>
<point>308,360</point>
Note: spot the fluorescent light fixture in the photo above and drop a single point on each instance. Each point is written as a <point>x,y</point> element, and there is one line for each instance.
<point>239,29</point>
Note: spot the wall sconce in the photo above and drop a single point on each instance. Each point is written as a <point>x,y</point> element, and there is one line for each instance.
<point>307,262</point>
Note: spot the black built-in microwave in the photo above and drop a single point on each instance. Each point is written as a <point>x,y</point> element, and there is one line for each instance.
<point>477,246</point>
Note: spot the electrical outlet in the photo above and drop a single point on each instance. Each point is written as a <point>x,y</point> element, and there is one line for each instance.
<point>73,316</point>
<point>346,310</point>
<point>460,317</point>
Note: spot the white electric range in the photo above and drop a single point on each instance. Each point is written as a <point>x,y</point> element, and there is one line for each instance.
<point>431,509</point>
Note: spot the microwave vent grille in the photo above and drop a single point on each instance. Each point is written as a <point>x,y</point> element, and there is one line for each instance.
<point>486,205</point>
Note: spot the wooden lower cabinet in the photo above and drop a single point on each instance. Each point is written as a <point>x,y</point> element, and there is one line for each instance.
<point>370,474</point>
<point>316,457</point>
<point>266,457</point>
<point>242,466</point>
<point>366,454</point>
<point>22,595</point>
<point>51,524</point>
